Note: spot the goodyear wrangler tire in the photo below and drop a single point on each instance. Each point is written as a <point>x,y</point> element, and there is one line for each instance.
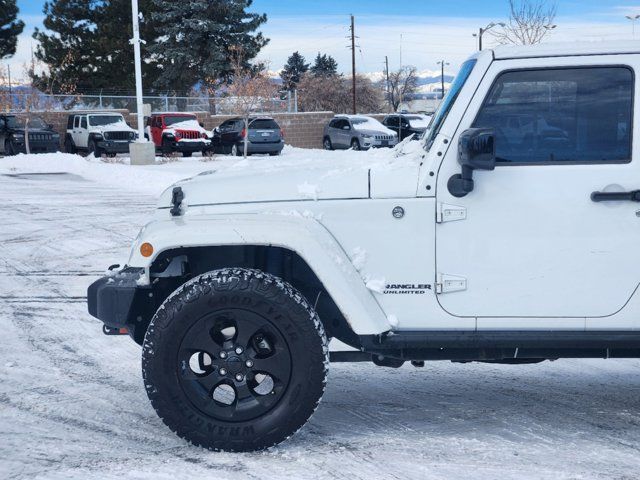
<point>235,360</point>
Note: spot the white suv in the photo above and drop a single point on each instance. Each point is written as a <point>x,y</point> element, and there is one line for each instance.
<point>489,245</point>
<point>98,133</point>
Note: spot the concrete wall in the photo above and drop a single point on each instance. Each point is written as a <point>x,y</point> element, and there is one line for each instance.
<point>302,130</point>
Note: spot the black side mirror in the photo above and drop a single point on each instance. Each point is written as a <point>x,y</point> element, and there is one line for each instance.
<point>476,151</point>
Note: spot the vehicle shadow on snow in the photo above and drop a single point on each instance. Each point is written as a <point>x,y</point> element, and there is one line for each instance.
<point>523,403</point>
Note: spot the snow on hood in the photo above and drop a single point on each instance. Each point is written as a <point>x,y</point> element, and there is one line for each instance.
<point>368,124</point>
<point>190,124</point>
<point>421,122</point>
<point>308,177</point>
<point>120,126</point>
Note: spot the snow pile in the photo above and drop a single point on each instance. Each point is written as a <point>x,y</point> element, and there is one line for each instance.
<point>154,179</point>
<point>309,191</point>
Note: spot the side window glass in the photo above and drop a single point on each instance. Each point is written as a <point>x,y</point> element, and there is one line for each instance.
<point>76,122</point>
<point>83,122</point>
<point>2,123</point>
<point>561,115</point>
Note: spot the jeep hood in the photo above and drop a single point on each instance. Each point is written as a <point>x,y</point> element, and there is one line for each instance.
<point>291,184</point>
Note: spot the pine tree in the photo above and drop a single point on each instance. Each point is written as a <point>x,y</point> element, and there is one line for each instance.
<point>10,28</point>
<point>85,46</point>
<point>324,66</point>
<point>198,38</point>
<point>293,71</point>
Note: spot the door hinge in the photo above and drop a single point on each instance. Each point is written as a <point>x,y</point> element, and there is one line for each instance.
<point>450,283</point>
<point>450,213</point>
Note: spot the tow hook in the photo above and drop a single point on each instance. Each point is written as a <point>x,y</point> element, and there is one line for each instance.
<point>114,331</point>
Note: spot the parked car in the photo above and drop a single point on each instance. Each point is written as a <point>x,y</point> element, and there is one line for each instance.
<point>177,132</point>
<point>478,250</point>
<point>42,137</point>
<point>357,132</point>
<point>98,133</point>
<point>405,125</point>
<point>264,135</point>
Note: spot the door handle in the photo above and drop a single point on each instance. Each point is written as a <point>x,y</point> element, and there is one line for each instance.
<point>633,196</point>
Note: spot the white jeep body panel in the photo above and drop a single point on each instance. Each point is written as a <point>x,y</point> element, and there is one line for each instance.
<point>525,250</point>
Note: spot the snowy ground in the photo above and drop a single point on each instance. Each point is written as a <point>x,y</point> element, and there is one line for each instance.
<point>72,404</point>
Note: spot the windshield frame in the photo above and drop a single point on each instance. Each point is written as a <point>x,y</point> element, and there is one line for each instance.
<point>113,115</point>
<point>449,100</point>
<point>175,119</point>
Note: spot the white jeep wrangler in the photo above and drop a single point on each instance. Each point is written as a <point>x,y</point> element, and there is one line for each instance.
<point>495,246</point>
<point>98,133</point>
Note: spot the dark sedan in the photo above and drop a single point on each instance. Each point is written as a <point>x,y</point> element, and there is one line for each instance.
<point>264,136</point>
<point>41,137</point>
<point>405,125</point>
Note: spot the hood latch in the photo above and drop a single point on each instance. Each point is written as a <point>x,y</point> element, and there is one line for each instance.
<point>176,200</point>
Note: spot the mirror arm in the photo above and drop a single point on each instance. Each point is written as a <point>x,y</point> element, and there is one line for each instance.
<point>460,184</point>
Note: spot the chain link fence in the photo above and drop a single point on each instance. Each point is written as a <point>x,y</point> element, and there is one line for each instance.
<point>25,102</point>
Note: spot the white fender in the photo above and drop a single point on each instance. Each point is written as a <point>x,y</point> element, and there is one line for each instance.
<point>305,236</point>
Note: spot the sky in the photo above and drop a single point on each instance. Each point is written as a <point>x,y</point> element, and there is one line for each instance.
<point>418,33</point>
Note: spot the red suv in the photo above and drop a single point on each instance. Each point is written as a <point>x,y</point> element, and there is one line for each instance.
<point>177,132</point>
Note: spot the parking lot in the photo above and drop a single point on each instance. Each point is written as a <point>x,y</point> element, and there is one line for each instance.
<point>73,404</point>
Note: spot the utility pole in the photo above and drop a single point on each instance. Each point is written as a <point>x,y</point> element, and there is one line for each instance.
<point>442,63</point>
<point>386,62</point>
<point>353,65</point>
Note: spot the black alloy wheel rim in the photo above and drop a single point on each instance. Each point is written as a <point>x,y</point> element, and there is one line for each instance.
<point>234,365</point>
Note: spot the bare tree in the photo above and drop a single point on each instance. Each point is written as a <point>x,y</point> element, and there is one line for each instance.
<point>402,83</point>
<point>249,91</point>
<point>529,22</point>
<point>333,94</point>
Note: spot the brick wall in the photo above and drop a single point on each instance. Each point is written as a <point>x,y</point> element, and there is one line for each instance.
<point>302,130</point>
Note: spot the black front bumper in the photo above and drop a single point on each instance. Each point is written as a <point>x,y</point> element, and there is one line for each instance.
<point>190,146</point>
<point>119,302</point>
<point>113,146</point>
<point>37,146</point>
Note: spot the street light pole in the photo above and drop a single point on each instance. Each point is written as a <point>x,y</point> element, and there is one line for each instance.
<point>482,31</point>
<point>633,19</point>
<point>138,67</point>
<point>142,151</point>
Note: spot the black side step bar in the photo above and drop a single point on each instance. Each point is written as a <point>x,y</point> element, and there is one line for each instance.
<point>487,345</point>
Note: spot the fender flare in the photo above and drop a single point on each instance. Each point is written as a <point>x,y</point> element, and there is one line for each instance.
<point>304,236</point>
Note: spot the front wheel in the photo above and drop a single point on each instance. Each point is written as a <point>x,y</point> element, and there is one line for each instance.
<point>187,154</point>
<point>8,149</point>
<point>93,148</point>
<point>355,144</point>
<point>69,146</point>
<point>235,360</point>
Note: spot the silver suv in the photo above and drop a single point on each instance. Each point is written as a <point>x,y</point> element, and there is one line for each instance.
<point>358,133</point>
